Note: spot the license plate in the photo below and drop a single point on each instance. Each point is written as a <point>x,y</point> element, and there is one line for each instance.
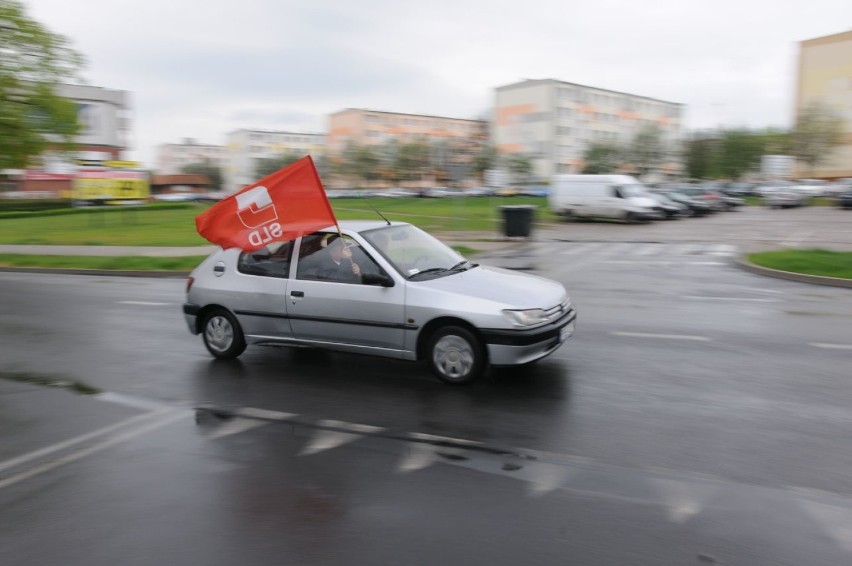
<point>566,331</point>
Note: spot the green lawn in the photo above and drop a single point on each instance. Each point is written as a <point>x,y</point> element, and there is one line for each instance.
<point>175,226</point>
<point>810,262</point>
<point>120,263</point>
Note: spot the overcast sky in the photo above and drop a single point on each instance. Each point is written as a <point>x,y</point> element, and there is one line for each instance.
<point>202,68</point>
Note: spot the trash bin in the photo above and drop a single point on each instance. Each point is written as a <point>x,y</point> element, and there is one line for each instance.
<point>517,220</point>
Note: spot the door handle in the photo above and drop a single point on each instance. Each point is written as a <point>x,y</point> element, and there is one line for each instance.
<point>297,293</point>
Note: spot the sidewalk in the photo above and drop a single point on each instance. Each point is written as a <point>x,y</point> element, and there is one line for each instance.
<point>146,251</point>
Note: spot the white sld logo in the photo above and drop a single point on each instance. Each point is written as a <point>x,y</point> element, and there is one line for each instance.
<point>256,210</point>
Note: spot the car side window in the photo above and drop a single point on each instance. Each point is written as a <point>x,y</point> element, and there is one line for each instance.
<point>270,261</point>
<point>324,257</point>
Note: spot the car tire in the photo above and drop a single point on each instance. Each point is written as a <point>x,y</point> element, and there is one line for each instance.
<point>222,335</point>
<point>456,355</point>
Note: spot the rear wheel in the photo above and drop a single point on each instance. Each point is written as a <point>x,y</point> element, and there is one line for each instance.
<point>222,334</point>
<point>456,356</point>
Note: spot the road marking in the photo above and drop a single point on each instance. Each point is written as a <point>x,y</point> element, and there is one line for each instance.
<point>327,439</point>
<point>831,346</point>
<point>130,401</point>
<point>419,456</point>
<point>74,456</point>
<point>664,336</point>
<point>746,299</point>
<point>682,500</point>
<point>722,250</point>
<point>236,426</point>
<point>796,238</point>
<point>143,303</point>
<point>74,441</point>
<point>837,521</point>
<point>647,249</point>
<point>662,262</point>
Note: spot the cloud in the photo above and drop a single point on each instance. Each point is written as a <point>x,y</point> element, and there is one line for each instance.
<point>201,68</point>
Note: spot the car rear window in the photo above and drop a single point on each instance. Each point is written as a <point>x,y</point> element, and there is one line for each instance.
<point>270,261</point>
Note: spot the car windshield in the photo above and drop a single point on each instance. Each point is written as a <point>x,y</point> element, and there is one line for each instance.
<point>414,253</point>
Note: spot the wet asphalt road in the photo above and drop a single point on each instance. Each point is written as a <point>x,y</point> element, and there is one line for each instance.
<point>699,415</point>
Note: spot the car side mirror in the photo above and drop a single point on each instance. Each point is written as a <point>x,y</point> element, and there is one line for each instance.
<point>377,279</point>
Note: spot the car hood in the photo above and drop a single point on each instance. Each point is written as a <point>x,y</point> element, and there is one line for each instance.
<point>509,288</point>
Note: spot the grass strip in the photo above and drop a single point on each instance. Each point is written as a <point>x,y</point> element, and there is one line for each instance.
<point>118,263</point>
<point>174,224</point>
<point>825,263</point>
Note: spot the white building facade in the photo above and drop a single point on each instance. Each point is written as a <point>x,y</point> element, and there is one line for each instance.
<point>554,122</point>
<point>173,157</point>
<point>245,147</point>
<point>825,78</point>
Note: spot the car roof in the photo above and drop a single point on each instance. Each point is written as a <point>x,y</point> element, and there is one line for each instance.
<point>361,225</point>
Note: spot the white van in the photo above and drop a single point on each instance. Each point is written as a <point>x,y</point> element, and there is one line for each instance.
<point>605,196</point>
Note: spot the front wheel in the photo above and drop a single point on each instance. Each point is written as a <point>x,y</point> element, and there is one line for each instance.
<point>223,335</point>
<point>455,355</point>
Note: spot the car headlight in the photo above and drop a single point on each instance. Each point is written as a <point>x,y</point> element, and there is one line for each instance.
<point>528,317</point>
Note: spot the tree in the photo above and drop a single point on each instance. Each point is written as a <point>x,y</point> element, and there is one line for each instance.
<point>701,157</point>
<point>602,158</point>
<point>731,154</point>
<point>740,153</point>
<point>816,133</point>
<point>484,159</point>
<point>647,151</point>
<point>412,159</point>
<point>33,62</point>
<point>208,169</point>
<point>266,165</point>
<point>520,165</point>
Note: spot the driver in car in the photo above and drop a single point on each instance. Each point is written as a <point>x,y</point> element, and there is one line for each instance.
<point>337,263</point>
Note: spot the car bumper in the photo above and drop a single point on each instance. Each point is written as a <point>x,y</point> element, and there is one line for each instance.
<point>516,347</point>
<point>190,314</point>
<point>646,214</point>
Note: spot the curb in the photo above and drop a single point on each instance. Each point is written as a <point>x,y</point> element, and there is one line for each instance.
<point>100,272</point>
<point>746,265</point>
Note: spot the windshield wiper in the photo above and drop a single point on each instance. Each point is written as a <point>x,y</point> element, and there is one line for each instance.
<point>456,267</point>
<point>430,270</point>
<point>461,264</point>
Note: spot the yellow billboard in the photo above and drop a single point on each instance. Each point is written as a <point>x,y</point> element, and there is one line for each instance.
<point>110,185</point>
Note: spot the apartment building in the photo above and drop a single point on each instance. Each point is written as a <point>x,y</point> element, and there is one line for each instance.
<point>245,147</point>
<point>825,77</point>
<point>173,157</point>
<point>372,128</point>
<point>553,122</point>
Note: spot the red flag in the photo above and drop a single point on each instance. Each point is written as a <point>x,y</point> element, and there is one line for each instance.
<point>280,207</point>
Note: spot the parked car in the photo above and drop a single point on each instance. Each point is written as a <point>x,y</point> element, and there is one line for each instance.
<point>812,187</point>
<point>838,187</point>
<point>439,192</point>
<point>709,197</point>
<point>844,199</point>
<point>770,186</point>
<point>694,207</point>
<point>671,209</point>
<point>477,192</point>
<point>784,198</point>
<point>602,196</point>
<point>738,189</point>
<point>414,298</point>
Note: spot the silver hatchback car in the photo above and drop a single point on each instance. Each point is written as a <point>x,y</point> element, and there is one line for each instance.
<point>380,288</point>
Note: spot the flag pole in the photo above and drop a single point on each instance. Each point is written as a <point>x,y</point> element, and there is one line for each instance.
<point>319,182</point>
